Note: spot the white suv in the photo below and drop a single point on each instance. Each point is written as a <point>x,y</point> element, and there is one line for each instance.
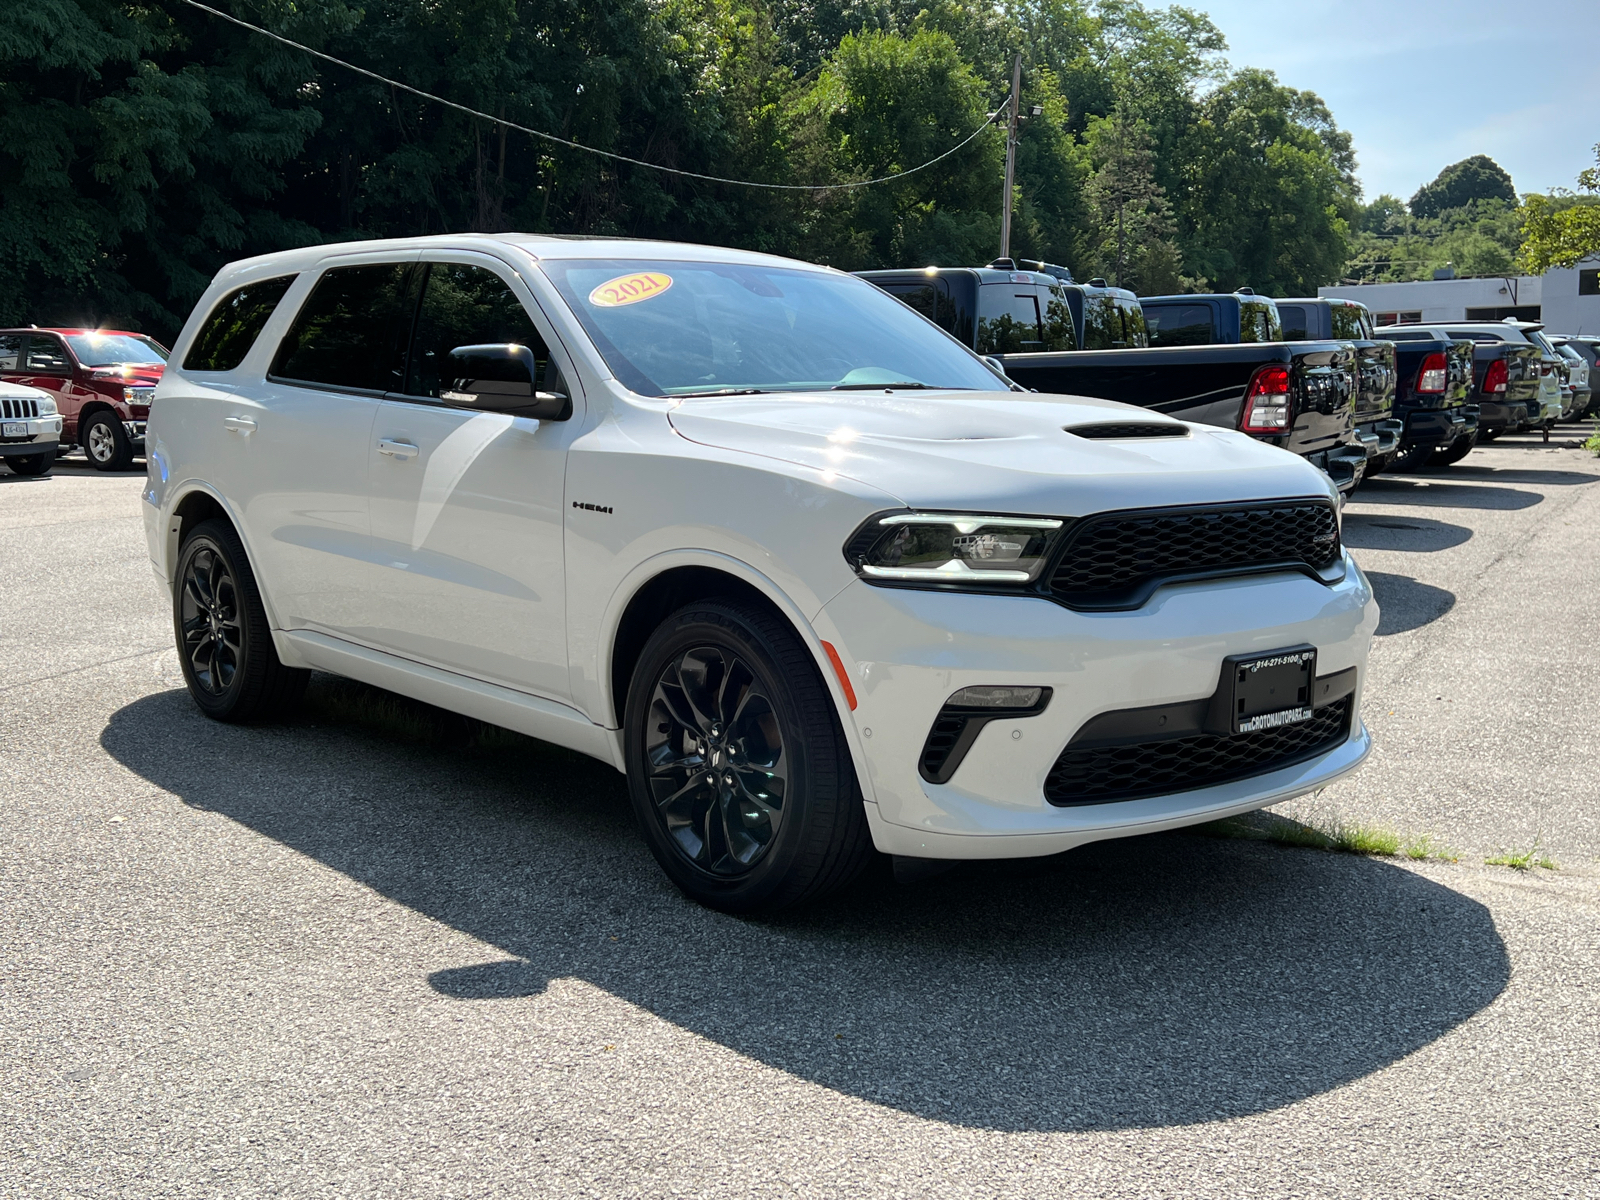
<point>756,534</point>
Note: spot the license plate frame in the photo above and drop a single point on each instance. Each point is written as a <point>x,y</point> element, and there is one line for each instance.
<point>14,429</point>
<point>1270,689</point>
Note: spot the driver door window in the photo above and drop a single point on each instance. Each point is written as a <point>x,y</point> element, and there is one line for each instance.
<point>464,305</point>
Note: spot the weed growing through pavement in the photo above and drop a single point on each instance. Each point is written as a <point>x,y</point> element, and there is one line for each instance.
<point>1343,837</point>
<point>1593,444</point>
<point>1524,860</point>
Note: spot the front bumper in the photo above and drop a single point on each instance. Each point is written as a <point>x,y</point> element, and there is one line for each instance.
<point>42,434</point>
<point>912,650</point>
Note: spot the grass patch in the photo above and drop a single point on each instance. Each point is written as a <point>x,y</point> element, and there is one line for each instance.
<point>1340,837</point>
<point>1593,443</point>
<point>1526,860</point>
<point>333,700</point>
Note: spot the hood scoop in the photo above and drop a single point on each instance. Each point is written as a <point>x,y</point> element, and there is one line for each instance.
<point>1116,431</point>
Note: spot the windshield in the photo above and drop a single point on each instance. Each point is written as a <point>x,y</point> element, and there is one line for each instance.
<point>113,349</point>
<point>693,328</point>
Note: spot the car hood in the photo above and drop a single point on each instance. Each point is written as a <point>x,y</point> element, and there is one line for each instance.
<point>131,374</point>
<point>1001,451</point>
<point>21,391</point>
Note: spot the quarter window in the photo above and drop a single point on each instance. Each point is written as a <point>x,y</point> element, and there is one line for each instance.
<point>234,324</point>
<point>1180,325</point>
<point>1011,324</point>
<point>469,306</point>
<point>350,332</point>
<point>11,345</point>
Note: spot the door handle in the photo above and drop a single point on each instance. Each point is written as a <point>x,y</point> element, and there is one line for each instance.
<point>242,425</point>
<point>394,449</point>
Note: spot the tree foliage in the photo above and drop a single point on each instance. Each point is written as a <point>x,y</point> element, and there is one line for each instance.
<point>1562,231</point>
<point>1460,184</point>
<point>149,143</point>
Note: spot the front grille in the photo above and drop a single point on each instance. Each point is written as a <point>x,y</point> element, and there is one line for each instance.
<point>1116,560</point>
<point>1101,774</point>
<point>1128,429</point>
<point>18,409</point>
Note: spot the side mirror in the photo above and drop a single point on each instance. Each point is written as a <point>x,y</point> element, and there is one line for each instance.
<point>500,378</point>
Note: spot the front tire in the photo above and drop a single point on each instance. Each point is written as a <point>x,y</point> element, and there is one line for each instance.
<point>32,464</point>
<point>106,443</point>
<point>224,642</point>
<point>738,769</point>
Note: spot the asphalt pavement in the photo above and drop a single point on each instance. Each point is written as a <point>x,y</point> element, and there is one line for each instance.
<point>339,957</point>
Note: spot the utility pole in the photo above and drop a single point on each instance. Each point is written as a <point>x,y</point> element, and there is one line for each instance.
<point>1011,156</point>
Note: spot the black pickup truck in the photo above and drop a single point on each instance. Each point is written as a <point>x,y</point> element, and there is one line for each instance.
<point>1300,397</point>
<point>1433,385</point>
<point>1317,319</point>
<point>1516,394</point>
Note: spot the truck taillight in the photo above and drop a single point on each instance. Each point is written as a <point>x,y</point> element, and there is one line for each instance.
<point>1266,402</point>
<point>1433,374</point>
<point>1494,380</point>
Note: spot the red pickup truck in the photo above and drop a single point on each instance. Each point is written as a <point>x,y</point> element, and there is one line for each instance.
<point>102,380</point>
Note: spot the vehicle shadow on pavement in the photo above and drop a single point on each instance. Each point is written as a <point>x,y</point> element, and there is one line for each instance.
<point>1165,980</point>
<point>1405,603</point>
<point>1425,491</point>
<point>1369,531</point>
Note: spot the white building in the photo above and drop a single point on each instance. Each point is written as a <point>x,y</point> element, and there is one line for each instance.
<point>1566,300</point>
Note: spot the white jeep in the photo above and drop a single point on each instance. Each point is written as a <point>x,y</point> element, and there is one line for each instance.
<point>758,535</point>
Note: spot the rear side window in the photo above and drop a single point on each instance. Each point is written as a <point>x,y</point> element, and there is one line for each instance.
<point>469,306</point>
<point>1180,325</point>
<point>1295,327</point>
<point>1058,331</point>
<point>1008,322</point>
<point>234,325</point>
<point>350,332</point>
<point>1348,322</point>
<point>1259,323</point>
<point>11,345</point>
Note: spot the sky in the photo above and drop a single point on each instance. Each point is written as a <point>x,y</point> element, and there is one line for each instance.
<point>1420,84</point>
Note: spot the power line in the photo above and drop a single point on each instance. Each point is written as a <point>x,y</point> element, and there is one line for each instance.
<point>561,141</point>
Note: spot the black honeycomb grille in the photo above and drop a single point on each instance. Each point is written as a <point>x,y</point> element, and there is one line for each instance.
<point>1117,559</point>
<point>1101,774</point>
<point>1128,429</point>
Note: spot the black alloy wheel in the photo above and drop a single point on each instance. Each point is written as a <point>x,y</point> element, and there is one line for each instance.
<point>32,464</point>
<point>106,443</point>
<point>224,642</point>
<point>737,766</point>
<point>717,771</point>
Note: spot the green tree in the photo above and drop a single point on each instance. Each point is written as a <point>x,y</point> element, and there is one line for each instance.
<point>1459,184</point>
<point>1133,245</point>
<point>1562,231</point>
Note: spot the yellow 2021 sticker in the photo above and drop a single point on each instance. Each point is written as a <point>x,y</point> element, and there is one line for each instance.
<point>630,289</point>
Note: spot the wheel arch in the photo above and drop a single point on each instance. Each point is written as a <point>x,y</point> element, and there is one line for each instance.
<point>88,412</point>
<point>661,587</point>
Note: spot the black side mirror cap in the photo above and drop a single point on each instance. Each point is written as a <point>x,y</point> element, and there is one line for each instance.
<point>500,378</point>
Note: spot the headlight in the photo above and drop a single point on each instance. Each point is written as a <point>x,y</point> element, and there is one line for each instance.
<point>952,548</point>
<point>138,395</point>
<point>47,406</point>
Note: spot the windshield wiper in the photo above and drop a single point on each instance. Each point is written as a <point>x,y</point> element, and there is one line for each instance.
<point>876,387</point>
<point>722,392</point>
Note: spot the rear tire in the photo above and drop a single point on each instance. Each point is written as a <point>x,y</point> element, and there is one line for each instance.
<point>106,443</point>
<point>1485,436</point>
<point>1412,459</point>
<point>738,769</point>
<point>32,464</point>
<point>224,642</point>
<point>1456,451</point>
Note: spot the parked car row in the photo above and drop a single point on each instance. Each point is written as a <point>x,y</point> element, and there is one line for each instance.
<point>1311,374</point>
<point>96,385</point>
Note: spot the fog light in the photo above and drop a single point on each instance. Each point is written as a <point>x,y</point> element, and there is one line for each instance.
<point>985,696</point>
